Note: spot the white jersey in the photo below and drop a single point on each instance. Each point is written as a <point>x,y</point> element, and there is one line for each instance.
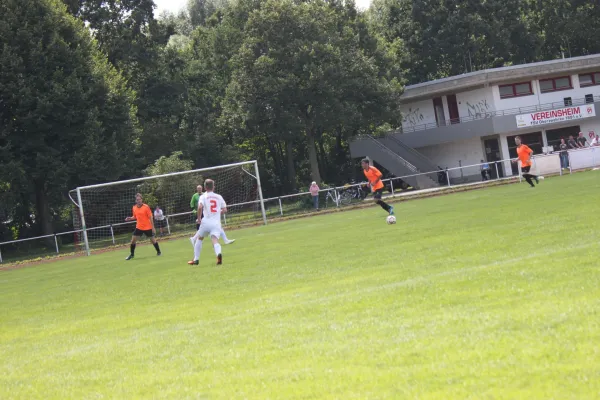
<point>212,204</point>
<point>158,215</point>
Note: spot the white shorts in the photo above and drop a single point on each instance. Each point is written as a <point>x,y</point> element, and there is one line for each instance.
<point>209,230</point>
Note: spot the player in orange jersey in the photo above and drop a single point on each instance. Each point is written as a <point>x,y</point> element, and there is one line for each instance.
<point>374,177</point>
<point>524,154</point>
<point>142,214</point>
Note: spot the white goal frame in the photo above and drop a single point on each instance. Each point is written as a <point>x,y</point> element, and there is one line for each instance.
<point>79,204</point>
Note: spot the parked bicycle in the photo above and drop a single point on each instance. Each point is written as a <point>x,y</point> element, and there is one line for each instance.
<point>352,192</point>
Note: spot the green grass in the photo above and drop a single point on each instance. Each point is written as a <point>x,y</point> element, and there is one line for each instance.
<point>488,294</point>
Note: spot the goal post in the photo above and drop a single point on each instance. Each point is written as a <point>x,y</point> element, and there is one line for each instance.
<point>102,208</point>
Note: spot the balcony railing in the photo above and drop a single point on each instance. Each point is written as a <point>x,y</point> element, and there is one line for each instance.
<point>501,113</point>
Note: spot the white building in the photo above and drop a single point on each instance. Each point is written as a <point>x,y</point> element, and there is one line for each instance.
<point>464,119</point>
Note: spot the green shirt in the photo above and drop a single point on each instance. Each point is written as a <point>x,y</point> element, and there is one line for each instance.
<point>194,203</point>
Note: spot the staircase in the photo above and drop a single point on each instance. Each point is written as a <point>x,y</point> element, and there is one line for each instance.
<point>396,157</point>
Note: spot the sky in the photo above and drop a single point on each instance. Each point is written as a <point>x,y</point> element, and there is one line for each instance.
<point>176,5</point>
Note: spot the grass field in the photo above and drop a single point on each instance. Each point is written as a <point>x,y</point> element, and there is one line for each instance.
<point>489,294</point>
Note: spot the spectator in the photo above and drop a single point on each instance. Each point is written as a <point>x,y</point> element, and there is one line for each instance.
<point>595,141</point>
<point>159,219</point>
<point>581,141</point>
<point>572,143</point>
<point>314,192</point>
<point>564,154</point>
<point>486,174</point>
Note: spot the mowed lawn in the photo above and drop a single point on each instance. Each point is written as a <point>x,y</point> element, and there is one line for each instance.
<point>488,294</point>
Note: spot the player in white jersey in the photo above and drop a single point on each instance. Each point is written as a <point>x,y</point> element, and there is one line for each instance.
<point>210,207</point>
<point>194,203</point>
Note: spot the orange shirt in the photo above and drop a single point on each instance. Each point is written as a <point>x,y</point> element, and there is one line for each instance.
<point>524,153</point>
<point>143,216</point>
<point>374,175</point>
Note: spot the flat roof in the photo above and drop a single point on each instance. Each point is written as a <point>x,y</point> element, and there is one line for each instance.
<point>487,77</point>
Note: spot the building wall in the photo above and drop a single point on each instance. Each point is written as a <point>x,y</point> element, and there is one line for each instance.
<point>455,154</point>
<point>575,93</point>
<point>418,113</point>
<point>591,125</point>
<point>476,103</point>
<point>516,102</point>
<point>543,98</point>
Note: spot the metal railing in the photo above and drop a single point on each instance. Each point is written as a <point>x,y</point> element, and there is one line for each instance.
<point>393,154</point>
<point>340,196</point>
<point>492,114</point>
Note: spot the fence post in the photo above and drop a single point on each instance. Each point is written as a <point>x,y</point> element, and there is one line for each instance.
<point>56,243</point>
<point>112,234</point>
<point>280,207</point>
<point>570,166</point>
<point>337,198</point>
<point>448,177</point>
<point>225,218</point>
<point>1,256</point>
<point>497,171</point>
<point>392,185</point>
<point>168,226</point>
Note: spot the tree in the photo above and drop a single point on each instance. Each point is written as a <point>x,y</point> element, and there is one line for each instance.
<point>302,72</point>
<point>567,27</point>
<point>446,38</point>
<point>66,115</point>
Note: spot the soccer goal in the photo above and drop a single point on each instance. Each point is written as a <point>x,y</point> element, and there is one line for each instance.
<point>101,209</point>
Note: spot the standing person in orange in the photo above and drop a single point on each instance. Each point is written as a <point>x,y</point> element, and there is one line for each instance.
<point>374,177</point>
<point>524,154</point>
<point>142,214</point>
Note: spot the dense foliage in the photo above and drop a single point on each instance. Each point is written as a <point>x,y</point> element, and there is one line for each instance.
<point>97,90</point>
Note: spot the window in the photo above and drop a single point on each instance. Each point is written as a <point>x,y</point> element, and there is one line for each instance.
<point>554,84</point>
<point>516,89</point>
<point>590,79</point>
<point>568,101</point>
<point>589,98</point>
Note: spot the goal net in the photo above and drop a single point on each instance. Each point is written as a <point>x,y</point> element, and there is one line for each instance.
<point>101,209</point>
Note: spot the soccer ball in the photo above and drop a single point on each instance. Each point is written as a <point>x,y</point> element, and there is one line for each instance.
<point>390,220</point>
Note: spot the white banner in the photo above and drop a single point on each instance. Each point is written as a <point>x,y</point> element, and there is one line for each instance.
<point>553,116</point>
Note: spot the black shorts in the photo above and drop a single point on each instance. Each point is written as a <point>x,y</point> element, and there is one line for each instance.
<point>526,170</point>
<point>160,224</point>
<point>139,232</point>
<point>378,194</point>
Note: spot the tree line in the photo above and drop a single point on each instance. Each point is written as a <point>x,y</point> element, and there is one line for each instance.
<point>98,90</point>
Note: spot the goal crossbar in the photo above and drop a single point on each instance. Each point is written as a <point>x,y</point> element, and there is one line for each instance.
<point>147,178</point>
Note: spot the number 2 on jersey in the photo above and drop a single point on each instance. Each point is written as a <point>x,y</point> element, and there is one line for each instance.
<point>213,206</point>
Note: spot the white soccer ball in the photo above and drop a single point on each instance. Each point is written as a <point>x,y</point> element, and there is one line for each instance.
<point>390,219</point>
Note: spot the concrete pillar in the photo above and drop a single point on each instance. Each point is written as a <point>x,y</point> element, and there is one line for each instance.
<point>544,138</point>
<point>505,155</point>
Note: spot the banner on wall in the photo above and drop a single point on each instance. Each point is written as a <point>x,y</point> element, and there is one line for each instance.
<point>553,116</point>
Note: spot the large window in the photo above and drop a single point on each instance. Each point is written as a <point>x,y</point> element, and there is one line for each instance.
<point>515,90</point>
<point>554,84</point>
<point>591,79</point>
